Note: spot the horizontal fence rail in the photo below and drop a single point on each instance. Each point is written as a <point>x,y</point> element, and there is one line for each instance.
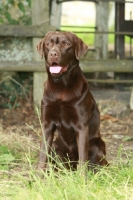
<point>97,1</point>
<point>25,31</point>
<point>110,81</point>
<point>107,65</point>
<point>86,66</point>
<point>41,30</point>
<point>89,66</point>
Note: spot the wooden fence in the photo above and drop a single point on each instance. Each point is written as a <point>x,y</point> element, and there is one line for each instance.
<point>38,67</point>
<point>87,66</point>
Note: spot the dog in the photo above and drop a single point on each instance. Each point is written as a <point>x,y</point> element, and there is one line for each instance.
<point>68,106</point>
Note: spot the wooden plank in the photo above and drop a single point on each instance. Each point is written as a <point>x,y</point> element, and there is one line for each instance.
<point>86,66</point>
<point>55,15</point>
<point>40,12</point>
<point>34,66</point>
<point>106,32</point>
<point>109,81</point>
<point>41,30</point>
<point>119,39</point>
<point>107,66</point>
<point>101,40</point>
<point>25,31</point>
<point>97,1</point>
<point>131,99</point>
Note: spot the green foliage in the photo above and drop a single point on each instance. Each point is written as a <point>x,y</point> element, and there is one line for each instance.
<point>3,150</point>
<point>9,18</point>
<point>5,158</point>
<point>22,9</point>
<point>128,138</point>
<point>29,2</point>
<point>16,90</point>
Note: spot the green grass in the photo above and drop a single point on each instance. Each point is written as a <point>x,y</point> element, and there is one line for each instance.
<point>116,182</point>
<point>89,38</point>
<point>86,37</point>
<point>20,182</point>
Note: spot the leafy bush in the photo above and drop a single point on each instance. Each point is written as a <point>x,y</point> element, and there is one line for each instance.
<point>15,12</point>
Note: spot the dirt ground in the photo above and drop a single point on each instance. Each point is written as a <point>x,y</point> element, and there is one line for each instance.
<point>116,121</point>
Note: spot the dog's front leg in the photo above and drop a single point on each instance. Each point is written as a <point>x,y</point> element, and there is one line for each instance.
<point>83,146</point>
<point>46,143</point>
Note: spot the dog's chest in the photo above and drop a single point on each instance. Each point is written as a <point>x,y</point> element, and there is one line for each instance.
<point>65,115</point>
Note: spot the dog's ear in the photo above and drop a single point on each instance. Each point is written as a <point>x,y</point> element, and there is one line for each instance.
<point>40,47</point>
<point>81,48</point>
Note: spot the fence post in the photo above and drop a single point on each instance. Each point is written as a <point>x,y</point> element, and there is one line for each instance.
<point>40,15</point>
<point>55,16</point>
<point>131,99</point>
<point>101,40</point>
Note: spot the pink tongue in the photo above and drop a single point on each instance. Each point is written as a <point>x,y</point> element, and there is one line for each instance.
<point>55,69</point>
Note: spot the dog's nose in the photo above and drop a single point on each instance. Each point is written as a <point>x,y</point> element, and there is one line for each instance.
<point>54,54</point>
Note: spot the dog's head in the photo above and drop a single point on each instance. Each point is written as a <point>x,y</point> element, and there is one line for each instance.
<point>62,51</point>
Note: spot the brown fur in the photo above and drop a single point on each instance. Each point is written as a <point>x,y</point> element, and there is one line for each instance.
<point>68,106</point>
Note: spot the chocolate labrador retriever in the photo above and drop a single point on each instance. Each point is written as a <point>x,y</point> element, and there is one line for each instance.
<point>68,106</point>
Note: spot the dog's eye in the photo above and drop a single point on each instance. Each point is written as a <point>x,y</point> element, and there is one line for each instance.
<point>67,44</point>
<point>64,43</point>
<point>48,43</point>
